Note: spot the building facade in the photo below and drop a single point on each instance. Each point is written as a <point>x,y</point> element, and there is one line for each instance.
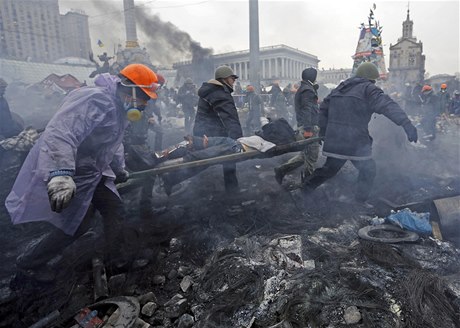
<point>278,62</point>
<point>407,61</point>
<point>75,33</point>
<point>333,76</point>
<point>34,30</point>
<point>281,63</point>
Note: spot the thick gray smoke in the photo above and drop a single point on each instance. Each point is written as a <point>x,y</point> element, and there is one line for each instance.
<point>164,41</point>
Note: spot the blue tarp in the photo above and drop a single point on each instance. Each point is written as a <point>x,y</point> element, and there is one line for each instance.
<point>412,221</point>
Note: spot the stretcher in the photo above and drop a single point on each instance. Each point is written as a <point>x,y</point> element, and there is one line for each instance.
<point>179,163</point>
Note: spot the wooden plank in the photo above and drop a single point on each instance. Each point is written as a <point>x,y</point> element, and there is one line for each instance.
<point>436,230</point>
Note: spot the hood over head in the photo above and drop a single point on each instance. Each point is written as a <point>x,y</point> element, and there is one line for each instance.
<point>208,87</point>
<point>309,74</point>
<point>108,81</point>
<point>346,85</point>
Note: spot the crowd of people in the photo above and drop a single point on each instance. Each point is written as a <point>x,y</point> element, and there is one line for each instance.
<point>95,138</point>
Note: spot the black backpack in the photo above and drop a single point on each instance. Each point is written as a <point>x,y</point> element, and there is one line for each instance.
<point>277,131</point>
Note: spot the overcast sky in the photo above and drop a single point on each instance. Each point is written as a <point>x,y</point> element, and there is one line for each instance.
<point>327,29</point>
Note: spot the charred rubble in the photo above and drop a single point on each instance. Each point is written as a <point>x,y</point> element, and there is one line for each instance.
<point>266,257</point>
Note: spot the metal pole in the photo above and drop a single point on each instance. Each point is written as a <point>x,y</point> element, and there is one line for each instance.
<point>50,318</point>
<point>254,58</point>
<point>179,164</point>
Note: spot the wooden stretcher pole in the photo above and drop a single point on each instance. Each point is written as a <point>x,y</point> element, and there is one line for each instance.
<point>179,164</point>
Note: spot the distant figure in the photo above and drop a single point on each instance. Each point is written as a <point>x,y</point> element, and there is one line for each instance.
<point>105,68</point>
<point>138,150</point>
<point>238,94</point>
<point>415,95</point>
<point>255,109</point>
<point>454,106</point>
<point>188,98</point>
<point>105,62</point>
<point>444,99</point>
<point>278,100</point>
<point>8,126</point>
<point>155,117</point>
<point>344,118</point>
<point>287,94</point>
<point>306,109</point>
<point>430,111</point>
<point>289,99</point>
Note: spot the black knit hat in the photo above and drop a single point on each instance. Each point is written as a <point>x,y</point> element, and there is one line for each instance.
<point>309,74</point>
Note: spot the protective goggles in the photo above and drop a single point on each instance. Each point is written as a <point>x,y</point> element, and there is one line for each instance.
<point>148,89</point>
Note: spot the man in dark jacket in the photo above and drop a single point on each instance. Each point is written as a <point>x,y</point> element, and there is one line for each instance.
<point>306,109</point>
<point>217,115</point>
<point>278,100</point>
<point>344,117</point>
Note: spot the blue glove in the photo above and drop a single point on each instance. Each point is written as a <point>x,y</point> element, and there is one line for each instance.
<point>61,190</point>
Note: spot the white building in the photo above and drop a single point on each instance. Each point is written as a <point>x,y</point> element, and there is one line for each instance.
<point>281,63</point>
<point>278,62</point>
<point>333,75</point>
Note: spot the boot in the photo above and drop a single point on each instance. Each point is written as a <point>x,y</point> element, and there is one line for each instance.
<point>279,175</point>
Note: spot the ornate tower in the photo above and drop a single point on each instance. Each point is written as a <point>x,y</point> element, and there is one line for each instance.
<point>407,61</point>
<point>408,27</point>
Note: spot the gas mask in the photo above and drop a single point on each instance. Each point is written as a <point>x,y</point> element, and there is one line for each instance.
<point>134,106</point>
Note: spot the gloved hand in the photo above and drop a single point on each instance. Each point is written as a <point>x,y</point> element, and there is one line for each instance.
<point>61,190</point>
<point>411,132</point>
<point>123,176</point>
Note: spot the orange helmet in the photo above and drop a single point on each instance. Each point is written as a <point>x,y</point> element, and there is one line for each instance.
<point>250,88</point>
<point>427,87</point>
<point>443,86</point>
<point>142,77</point>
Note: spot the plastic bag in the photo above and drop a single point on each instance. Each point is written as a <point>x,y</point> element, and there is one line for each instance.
<point>412,221</point>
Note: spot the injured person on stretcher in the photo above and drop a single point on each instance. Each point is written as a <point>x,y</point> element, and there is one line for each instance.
<point>194,149</point>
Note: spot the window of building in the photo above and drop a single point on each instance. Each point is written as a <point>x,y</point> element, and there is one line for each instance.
<point>411,60</point>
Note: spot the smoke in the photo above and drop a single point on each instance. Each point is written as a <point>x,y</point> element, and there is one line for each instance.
<point>106,22</point>
<point>164,41</point>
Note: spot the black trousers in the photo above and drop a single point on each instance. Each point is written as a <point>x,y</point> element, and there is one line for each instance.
<point>189,117</point>
<point>112,211</point>
<point>230,178</point>
<point>367,171</point>
<point>217,146</point>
